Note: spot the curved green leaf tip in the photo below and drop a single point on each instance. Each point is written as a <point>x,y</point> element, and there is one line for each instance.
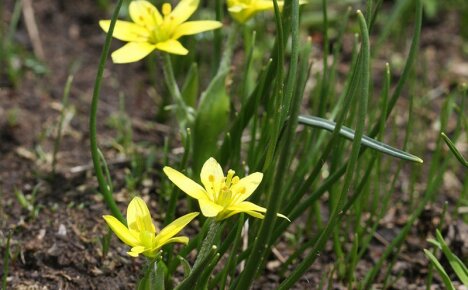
<point>366,141</point>
<point>454,150</point>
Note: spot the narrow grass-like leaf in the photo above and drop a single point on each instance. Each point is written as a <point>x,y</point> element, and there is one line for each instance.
<point>454,150</point>
<point>279,109</point>
<point>191,281</point>
<point>58,137</point>
<point>457,265</point>
<point>445,278</point>
<point>352,165</point>
<point>104,188</point>
<point>366,141</point>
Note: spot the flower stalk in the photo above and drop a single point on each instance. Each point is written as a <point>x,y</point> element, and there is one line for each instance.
<point>184,115</point>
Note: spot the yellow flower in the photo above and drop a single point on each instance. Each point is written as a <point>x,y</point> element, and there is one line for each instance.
<point>141,234</point>
<point>221,197</point>
<point>243,10</point>
<point>152,30</point>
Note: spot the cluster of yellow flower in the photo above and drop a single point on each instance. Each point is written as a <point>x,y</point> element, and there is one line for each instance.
<point>220,196</point>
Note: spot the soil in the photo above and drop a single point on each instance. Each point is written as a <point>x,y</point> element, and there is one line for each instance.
<point>56,243</point>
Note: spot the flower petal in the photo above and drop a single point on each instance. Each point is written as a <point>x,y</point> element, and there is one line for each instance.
<point>252,209</point>
<point>182,240</point>
<point>126,31</point>
<point>185,184</point>
<point>246,206</point>
<point>255,214</point>
<point>209,208</point>
<point>212,176</point>
<point>266,5</point>
<point>135,251</point>
<point>132,51</point>
<point>121,231</point>
<point>139,217</point>
<point>172,46</point>
<point>144,14</point>
<point>184,10</point>
<point>194,27</point>
<point>174,228</point>
<point>246,186</point>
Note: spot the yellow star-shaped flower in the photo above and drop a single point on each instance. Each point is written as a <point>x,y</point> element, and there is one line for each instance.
<point>152,30</point>
<point>220,197</point>
<point>243,10</point>
<point>142,235</point>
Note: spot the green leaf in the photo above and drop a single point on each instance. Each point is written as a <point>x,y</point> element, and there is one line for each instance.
<point>211,121</point>
<point>366,141</point>
<point>457,265</point>
<point>185,266</point>
<point>445,278</point>
<point>191,86</point>
<point>454,150</point>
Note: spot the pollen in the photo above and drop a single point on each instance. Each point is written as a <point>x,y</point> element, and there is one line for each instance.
<point>211,178</point>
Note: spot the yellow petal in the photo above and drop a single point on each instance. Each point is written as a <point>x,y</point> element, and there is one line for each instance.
<point>212,176</point>
<point>255,214</point>
<point>246,186</point>
<point>209,208</point>
<point>132,51</point>
<point>194,27</point>
<point>144,14</point>
<point>182,240</point>
<point>184,10</point>
<point>266,5</point>
<point>126,31</point>
<point>185,184</point>
<point>174,228</point>
<point>139,217</point>
<point>172,46</point>
<point>121,231</point>
<point>252,209</point>
<point>135,251</point>
<point>246,206</point>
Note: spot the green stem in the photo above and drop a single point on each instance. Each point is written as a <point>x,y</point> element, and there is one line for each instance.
<point>103,186</point>
<point>184,117</point>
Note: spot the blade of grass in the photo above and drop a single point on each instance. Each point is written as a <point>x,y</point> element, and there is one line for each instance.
<point>440,269</point>
<point>58,138</point>
<point>103,186</point>
<point>454,149</point>
<point>353,160</point>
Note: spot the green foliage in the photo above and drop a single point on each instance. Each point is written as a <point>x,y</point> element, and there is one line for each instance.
<point>250,116</point>
<point>456,263</point>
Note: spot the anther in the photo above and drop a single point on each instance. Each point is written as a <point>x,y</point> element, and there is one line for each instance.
<point>166,9</point>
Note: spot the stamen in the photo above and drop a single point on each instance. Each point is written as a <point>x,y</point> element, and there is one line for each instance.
<point>166,9</point>
<point>229,177</point>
